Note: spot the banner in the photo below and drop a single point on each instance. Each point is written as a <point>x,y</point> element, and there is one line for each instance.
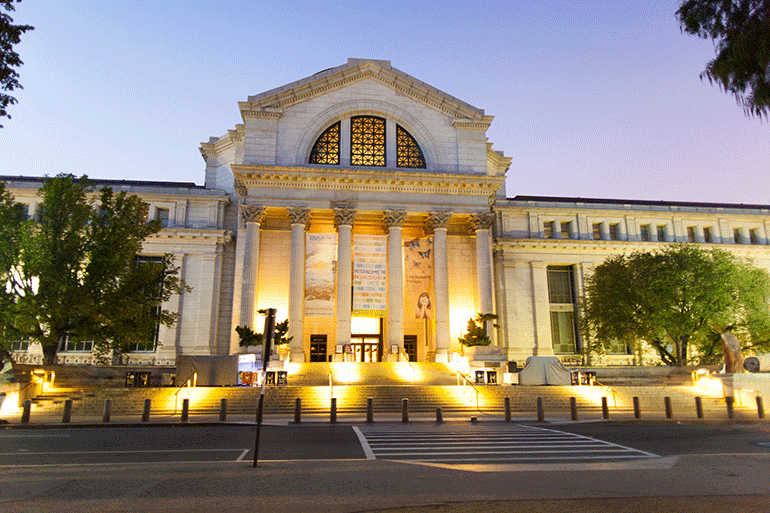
<point>320,259</point>
<point>418,275</point>
<point>370,277</point>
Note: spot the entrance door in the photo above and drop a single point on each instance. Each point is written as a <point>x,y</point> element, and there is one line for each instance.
<point>317,348</point>
<point>410,347</point>
<point>365,349</point>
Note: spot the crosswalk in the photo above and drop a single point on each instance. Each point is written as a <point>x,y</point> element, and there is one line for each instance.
<point>494,444</point>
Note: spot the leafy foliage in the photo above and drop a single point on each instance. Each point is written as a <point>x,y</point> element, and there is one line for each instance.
<point>250,338</point>
<point>674,298</point>
<point>74,272</point>
<point>477,331</point>
<point>740,30</point>
<point>9,35</point>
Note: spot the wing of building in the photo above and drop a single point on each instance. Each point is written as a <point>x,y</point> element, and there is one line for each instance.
<point>369,209</point>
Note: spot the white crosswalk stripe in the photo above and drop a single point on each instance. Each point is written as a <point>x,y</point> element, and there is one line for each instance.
<point>488,444</point>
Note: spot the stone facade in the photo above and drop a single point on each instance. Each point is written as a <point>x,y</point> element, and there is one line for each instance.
<point>241,239</point>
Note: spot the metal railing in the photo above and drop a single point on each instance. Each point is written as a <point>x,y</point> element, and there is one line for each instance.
<point>466,381</point>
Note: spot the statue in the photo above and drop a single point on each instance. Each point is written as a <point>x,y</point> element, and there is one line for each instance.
<point>732,351</point>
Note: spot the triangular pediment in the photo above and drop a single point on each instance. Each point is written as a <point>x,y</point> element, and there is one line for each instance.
<point>356,70</point>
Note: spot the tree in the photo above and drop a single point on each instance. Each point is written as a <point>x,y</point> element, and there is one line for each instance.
<point>740,30</point>
<point>477,331</point>
<point>9,35</point>
<point>676,298</point>
<point>250,338</point>
<point>11,223</point>
<point>75,274</point>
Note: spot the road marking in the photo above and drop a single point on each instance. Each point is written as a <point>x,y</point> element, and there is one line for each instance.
<point>364,444</point>
<point>243,455</point>
<point>149,451</point>
<point>35,436</point>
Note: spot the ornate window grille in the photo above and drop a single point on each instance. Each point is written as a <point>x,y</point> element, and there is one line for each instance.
<point>367,141</point>
<point>327,148</point>
<point>408,152</point>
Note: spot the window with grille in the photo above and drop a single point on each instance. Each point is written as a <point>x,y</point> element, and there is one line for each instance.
<point>367,141</point>
<point>327,148</point>
<point>408,152</point>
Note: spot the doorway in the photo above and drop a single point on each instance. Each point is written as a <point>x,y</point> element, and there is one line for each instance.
<point>410,347</point>
<point>317,348</point>
<point>365,349</point>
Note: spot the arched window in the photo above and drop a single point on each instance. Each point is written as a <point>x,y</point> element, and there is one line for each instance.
<point>367,141</point>
<point>408,152</point>
<point>327,148</point>
<point>368,135</point>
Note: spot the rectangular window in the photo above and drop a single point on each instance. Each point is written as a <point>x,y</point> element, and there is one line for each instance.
<point>754,236</point>
<point>16,343</point>
<point>737,235</point>
<point>150,344</point>
<point>162,216</point>
<point>644,232</point>
<point>707,234</point>
<point>560,284</point>
<point>661,232</point>
<point>563,332</point>
<point>616,347</point>
<point>691,234</point>
<point>614,231</point>
<point>74,344</point>
<point>25,209</point>
<point>565,230</point>
<point>597,229</point>
<point>548,230</point>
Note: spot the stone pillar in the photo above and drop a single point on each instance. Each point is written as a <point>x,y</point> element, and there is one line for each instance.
<point>438,221</point>
<point>252,216</point>
<point>300,217</point>
<point>394,221</point>
<point>344,217</point>
<point>481,224</point>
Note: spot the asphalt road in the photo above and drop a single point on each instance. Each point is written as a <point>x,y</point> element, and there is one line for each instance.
<point>688,467</point>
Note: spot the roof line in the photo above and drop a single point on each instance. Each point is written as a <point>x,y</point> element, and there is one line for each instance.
<point>102,181</point>
<point>562,199</point>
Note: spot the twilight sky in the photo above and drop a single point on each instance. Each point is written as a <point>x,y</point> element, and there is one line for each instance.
<point>593,99</point>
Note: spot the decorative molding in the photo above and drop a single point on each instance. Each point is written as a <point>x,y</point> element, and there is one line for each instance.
<point>344,215</point>
<point>481,221</point>
<point>394,218</point>
<point>261,114</point>
<point>299,215</point>
<point>253,213</point>
<point>188,234</point>
<point>470,125</point>
<point>437,220</point>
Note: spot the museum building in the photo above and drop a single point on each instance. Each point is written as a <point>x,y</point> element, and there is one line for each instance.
<point>369,209</point>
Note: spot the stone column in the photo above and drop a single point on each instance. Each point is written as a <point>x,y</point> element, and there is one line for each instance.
<point>344,218</point>
<point>438,221</point>
<point>300,217</point>
<point>394,221</point>
<point>481,224</point>
<point>252,216</point>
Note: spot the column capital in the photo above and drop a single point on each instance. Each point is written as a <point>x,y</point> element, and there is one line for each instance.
<point>253,213</point>
<point>481,221</point>
<point>344,216</point>
<point>299,215</point>
<point>437,220</point>
<point>394,218</point>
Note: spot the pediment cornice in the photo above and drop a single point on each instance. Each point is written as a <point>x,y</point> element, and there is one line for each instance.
<point>372,181</point>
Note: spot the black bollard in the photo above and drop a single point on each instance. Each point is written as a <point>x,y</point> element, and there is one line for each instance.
<point>223,410</point>
<point>369,410</point>
<point>106,413</point>
<point>67,416</point>
<point>667,404</point>
<point>507,409</point>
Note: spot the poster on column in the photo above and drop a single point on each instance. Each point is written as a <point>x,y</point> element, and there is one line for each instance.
<point>418,275</point>
<point>370,278</point>
<point>320,259</point>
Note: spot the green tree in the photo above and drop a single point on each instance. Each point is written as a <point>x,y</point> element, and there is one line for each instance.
<point>740,30</point>
<point>250,338</point>
<point>9,35</point>
<point>476,334</point>
<point>677,298</point>
<point>11,225</point>
<point>76,271</point>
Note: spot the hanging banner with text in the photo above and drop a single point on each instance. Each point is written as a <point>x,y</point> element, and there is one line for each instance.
<point>418,274</point>
<point>370,278</point>
<point>320,259</point>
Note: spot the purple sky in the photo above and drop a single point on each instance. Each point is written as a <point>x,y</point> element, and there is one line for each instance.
<point>590,98</point>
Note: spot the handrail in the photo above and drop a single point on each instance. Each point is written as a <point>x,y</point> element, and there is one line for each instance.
<point>473,386</point>
<point>406,359</point>
<point>186,382</point>
<point>331,386</point>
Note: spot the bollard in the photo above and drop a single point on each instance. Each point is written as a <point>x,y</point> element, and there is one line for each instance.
<point>185,410</point>
<point>637,409</point>
<point>27,405</point>
<point>405,410</point>
<point>573,408</point>
<point>107,410</point>
<point>507,409</point>
<point>540,413</point>
<point>439,415</point>
<point>223,410</point>
<point>730,401</point>
<point>760,408</point>
<point>605,409</point>
<point>667,404</point>
<point>333,412</point>
<point>699,407</point>
<point>369,410</point>
<point>67,416</point>
<point>146,411</point>
<point>297,410</point>
<point>474,420</point>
